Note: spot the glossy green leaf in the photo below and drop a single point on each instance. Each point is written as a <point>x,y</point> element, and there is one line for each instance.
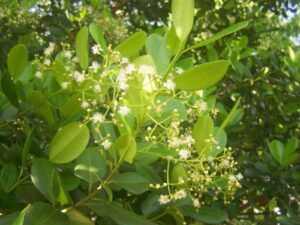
<point>183,17</point>
<point>77,218</point>
<point>9,219</point>
<point>207,215</point>
<point>202,131</point>
<point>277,150</point>
<point>82,47</point>
<point>201,77</point>
<point>68,143</point>
<point>47,113</point>
<point>291,146</point>
<point>9,89</point>
<point>46,179</point>
<point>118,214</point>
<point>150,206</point>
<point>27,146</point>
<point>178,174</point>
<point>127,147</point>
<point>132,182</point>
<point>156,47</point>
<point>9,177</point>
<point>225,32</point>
<point>17,59</point>
<point>90,166</point>
<point>132,45</point>
<point>173,42</point>
<point>148,172</point>
<point>98,36</point>
<point>40,213</point>
<point>144,60</point>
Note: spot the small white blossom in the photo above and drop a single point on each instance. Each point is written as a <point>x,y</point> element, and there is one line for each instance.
<point>196,203</point>
<point>95,66</point>
<point>189,140</point>
<point>98,117</point>
<point>180,194</point>
<point>179,70</point>
<point>202,105</point>
<point>68,54</point>
<point>175,142</point>
<point>239,176</point>
<point>184,154</point>
<point>124,60</point>
<point>47,62</point>
<point>129,69</point>
<point>64,85</point>
<point>146,70</point>
<point>170,85</point>
<point>232,178</point>
<point>106,144</point>
<point>164,199</point>
<point>97,88</point>
<point>122,80</point>
<point>96,49</point>
<point>124,110</point>
<point>50,49</point>
<point>38,74</point>
<point>148,84</point>
<point>85,104</point>
<point>79,77</point>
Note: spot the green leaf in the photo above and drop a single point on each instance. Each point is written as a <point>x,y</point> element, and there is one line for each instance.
<point>277,150</point>
<point>132,182</point>
<point>27,146</point>
<point>156,47</point>
<point>8,219</point>
<point>46,179</point>
<point>202,76</point>
<point>179,173</point>
<point>77,218</point>
<point>183,17</point>
<point>46,111</point>
<point>202,131</point>
<point>72,106</point>
<point>291,146</point>
<point>68,143</point>
<point>150,206</point>
<point>144,60</point>
<point>127,147</point>
<point>232,29</point>
<point>173,42</point>
<point>9,89</point>
<point>229,116</point>
<point>208,215</point>
<point>82,47</point>
<point>148,172</point>
<point>9,177</point>
<point>90,166</point>
<point>98,36</point>
<point>132,45</point>
<point>40,213</point>
<point>17,59</point>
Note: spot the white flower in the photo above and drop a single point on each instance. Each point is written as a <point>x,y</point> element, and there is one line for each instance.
<point>149,84</point>
<point>106,144</point>
<point>47,62</point>
<point>98,118</point>
<point>64,85</point>
<point>95,66</point>
<point>50,49</point>
<point>164,199</point>
<point>68,54</point>
<point>38,74</point>
<point>79,77</point>
<point>47,33</point>
<point>124,110</point>
<point>170,85</point>
<point>202,105</point>
<point>189,140</point>
<point>179,70</point>
<point>196,203</point>
<point>96,49</point>
<point>129,69</point>
<point>97,88</point>
<point>146,70</point>
<point>124,60</point>
<point>180,194</point>
<point>232,178</point>
<point>122,80</point>
<point>184,154</point>
<point>175,142</point>
<point>239,176</point>
<point>85,104</point>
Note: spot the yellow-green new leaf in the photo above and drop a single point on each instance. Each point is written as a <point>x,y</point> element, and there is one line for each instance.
<point>132,45</point>
<point>127,147</point>
<point>202,76</point>
<point>17,59</point>
<point>69,143</point>
<point>82,47</point>
<point>183,17</point>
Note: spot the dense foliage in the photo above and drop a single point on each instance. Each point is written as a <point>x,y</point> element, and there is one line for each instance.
<point>103,123</point>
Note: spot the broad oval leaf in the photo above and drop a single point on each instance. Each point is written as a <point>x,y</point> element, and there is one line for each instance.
<point>173,42</point>
<point>9,89</point>
<point>90,166</point>
<point>77,218</point>
<point>82,47</point>
<point>42,213</point>
<point>132,182</point>
<point>17,59</point>
<point>183,17</point>
<point>156,47</point>
<point>202,130</point>
<point>98,36</point>
<point>277,150</point>
<point>9,177</point>
<point>69,142</point>
<point>132,45</point>
<point>202,76</point>
<point>127,147</point>
<point>46,179</point>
